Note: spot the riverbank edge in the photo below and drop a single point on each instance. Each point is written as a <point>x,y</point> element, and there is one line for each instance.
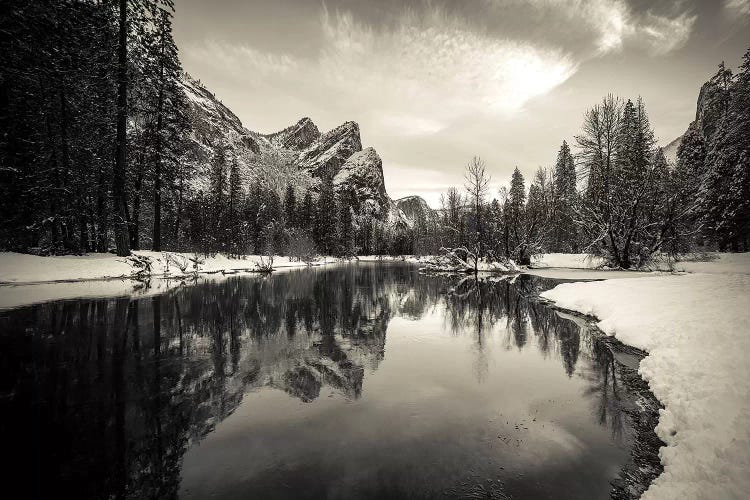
<point>644,465</point>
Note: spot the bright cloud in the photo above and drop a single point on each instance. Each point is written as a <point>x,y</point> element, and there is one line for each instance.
<point>614,23</point>
<point>665,35</point>
<point>436,66</point>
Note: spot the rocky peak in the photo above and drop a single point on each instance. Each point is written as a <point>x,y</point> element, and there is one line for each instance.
<point>415,209</point>
<point>326,155</point>
<point>297,137</point>
<point>361,176</point>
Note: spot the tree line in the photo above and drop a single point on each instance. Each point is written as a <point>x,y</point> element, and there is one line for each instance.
<point>616,195</point>
<point>93,119</point>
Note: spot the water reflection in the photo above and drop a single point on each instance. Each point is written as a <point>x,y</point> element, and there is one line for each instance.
<point>102,398</point>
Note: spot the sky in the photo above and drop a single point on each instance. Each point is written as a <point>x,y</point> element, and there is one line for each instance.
<point>433,83</point>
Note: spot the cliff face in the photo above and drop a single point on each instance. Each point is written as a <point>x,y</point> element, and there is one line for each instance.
<point>328,153</point>
<point>299,154</point>
<point>708,112</point>
<point>416,210</point>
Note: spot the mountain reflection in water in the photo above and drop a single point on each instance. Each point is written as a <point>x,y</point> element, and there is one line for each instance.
<point>103,398</point>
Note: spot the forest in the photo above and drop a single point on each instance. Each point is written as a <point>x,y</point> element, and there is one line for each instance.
<point>94,119</point>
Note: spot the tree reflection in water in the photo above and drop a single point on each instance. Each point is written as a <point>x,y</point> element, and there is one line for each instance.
<point>101,398</point>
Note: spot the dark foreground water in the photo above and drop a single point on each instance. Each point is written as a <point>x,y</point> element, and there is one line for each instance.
<point>360,381</point>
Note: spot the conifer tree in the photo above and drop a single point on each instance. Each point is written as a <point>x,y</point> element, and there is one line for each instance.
<point>307,213</point>
<point>290,207</point>
<point>726,189</point>
<point>234,210</point>
<point>345,231</point>
<point>217,200</point>
<point>325,230</point>
<point>564,237</point>
<point>165,103</point>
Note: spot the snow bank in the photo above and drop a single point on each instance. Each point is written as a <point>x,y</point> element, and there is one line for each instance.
<point>696,329</point>
<point>562,273</point>
<point>569,260</point>
<point>721,263</point>
<point>23,268</point>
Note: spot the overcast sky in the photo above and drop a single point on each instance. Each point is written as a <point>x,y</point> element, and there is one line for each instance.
<point>433,83</point>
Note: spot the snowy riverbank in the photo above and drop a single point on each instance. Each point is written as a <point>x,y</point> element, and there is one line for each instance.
<point>16,268</point>
<point>696,329</point>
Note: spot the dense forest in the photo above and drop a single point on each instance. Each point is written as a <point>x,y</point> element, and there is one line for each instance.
<point>94,118</point>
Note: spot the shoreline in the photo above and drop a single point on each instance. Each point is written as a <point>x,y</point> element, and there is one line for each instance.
<point>644,465</point>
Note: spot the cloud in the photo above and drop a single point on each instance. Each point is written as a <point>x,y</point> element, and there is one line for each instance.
<point>242,61</point>
<point>665,35</point>
<point>614,23</point>
<point>741,7</point>
<point>437,65</point>
<point>416,74</point>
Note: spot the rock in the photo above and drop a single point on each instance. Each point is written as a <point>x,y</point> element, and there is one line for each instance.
<point>416,210</point>
<point>361,176</point>
<point>297,137</point>
<point>327,154</point>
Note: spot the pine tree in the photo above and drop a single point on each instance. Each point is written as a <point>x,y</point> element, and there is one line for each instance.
<point>119,195</point>
<point>515,216</point>
<point>290,207</point>
<point>234,210</point>
<point>565,197</point>
<point>688,175</point>
<point>725,202</point>
<point>166,104</point>
<point>252,216</point>
<point>273,227</point>
<point>217,200</point>
<point>306,213</point>
<point>345,231</point>
<point>324,232</point>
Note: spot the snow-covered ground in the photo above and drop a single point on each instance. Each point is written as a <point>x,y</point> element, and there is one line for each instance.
<point>696,329</point>
<point>30,279</point>
<point>567,260</point>
<point>722,263</point>
<point>23,268</point>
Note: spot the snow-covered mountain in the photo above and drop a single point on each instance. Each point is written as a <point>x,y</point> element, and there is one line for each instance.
<point>300,154</point>
<point>416,210</point>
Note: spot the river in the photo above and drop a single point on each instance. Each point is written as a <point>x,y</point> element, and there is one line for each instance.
<point>342,382</point>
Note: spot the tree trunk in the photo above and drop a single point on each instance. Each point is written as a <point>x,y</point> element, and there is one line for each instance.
<point>122,239</point>
<point>157,158</point>
<point>101,213</point>
<point>178,211</point>
<point>135,223</point>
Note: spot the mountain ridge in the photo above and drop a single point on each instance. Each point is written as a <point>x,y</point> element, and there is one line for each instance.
<point>300,154</point>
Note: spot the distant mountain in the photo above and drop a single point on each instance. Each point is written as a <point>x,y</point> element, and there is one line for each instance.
<point>415,209</point>
<point>299,154</point>
<point>670,150</point>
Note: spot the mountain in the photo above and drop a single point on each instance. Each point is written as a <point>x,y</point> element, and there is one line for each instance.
<point>707,116</point>
<point>299,154</point>
<point>670,150</point>
<point>416,210</point>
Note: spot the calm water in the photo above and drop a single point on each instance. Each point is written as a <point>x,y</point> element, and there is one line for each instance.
<point>360,381</point>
